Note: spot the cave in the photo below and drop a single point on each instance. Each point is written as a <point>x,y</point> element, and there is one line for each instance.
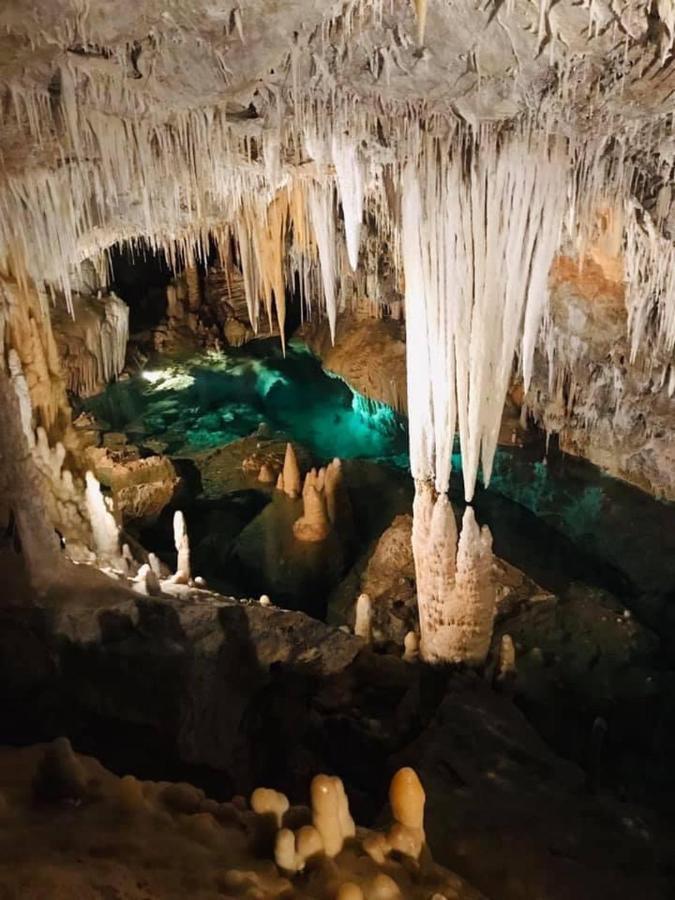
<point>337,450</point>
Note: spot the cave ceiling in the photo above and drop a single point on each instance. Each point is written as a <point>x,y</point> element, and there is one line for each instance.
<point>126,119</point>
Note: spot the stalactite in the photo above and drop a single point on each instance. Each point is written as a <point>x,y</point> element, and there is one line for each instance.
<point>322,214</point>
<point>350,184</point>
<point>421,13</point>
<point>650,279</point>
<point>477,250</point>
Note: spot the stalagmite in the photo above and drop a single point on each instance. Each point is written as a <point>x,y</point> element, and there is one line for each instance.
<point>266,474</point>
<point>505,670</point>
<point>147,582</point>
<point>407,799</point>
<point>330,813</point>
<point>455,587</point>
<point>292,480</point>
<point>411,646</point>
<point>103,526</point>
<point>284,851</point>
<point>314,524</point>
<point>474,602</point>
<point>362,623</point>
<point>182,544</point>
<point>308,843</point>
<point>333,490</point>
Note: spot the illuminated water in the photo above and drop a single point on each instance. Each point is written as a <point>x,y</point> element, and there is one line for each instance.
<point>212,399</point>
<point>559,518</point>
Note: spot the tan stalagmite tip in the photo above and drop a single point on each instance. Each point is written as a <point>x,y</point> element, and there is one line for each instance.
<point>506,662</point>
<point>266,801</point>
<point>291,478</point>
<point>330,813</point>
<point>284,850</point>
<point>411,647</point>
<point>182,544</point>
<point>308,843</point>
<point>406,798</point>
<point>314,524</point>
<point>362,623</point>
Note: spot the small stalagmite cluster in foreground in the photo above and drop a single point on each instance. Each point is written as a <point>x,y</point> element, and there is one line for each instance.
<point>94,834</point>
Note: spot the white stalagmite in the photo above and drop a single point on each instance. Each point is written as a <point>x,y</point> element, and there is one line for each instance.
<point>455,588</point>
<point>474,596</point>
<point>182,544</point>
<point>349,172</point>
<point>362,622</point>
<point>291,478</point>
<point>103,526</point>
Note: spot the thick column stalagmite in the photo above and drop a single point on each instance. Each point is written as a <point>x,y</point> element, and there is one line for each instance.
<point>455,588</point>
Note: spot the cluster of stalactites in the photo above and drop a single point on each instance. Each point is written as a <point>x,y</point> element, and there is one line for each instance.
<point>478,241</point>
<point>455,585</point>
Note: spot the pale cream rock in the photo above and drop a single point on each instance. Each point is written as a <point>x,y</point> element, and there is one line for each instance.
<point>330,813</point>
<point>411,646</point>
<point>362,622</point>
<point>182,544</point>
<point>314,524</point>
<point>291,478</point>
<point>266,801</point>
<point>284,850</point>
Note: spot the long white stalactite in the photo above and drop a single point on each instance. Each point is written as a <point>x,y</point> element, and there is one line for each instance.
<point>481,221</point>
<point>478,240</point>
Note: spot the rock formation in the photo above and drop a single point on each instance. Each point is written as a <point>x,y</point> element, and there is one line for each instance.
<point>291,478</point>
<point>455,586</point>
<point>182,544</point>
<point>92,342</point>
<point>174,835</point>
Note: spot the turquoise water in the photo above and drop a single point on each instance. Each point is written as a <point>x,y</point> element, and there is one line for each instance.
<point>187,405</point>
<point>557,517</point>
